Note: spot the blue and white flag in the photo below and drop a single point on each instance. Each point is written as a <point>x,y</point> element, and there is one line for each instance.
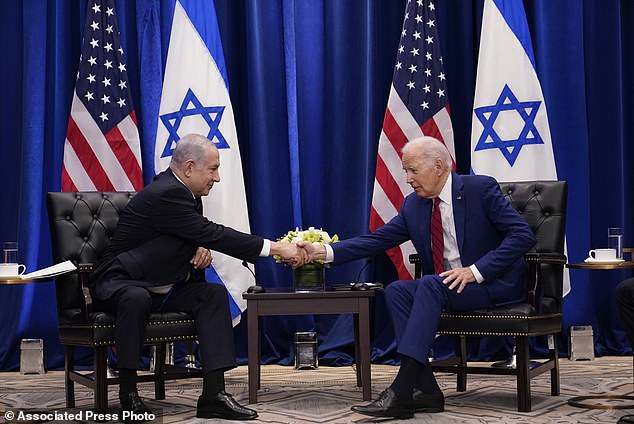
<point>195,99</point>
<point>510,135</point>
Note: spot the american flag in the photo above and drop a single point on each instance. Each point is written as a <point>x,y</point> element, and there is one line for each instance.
<point>102,149</point>
<point>417,106</point>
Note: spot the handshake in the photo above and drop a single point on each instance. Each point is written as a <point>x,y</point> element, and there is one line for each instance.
<point>298,254</point>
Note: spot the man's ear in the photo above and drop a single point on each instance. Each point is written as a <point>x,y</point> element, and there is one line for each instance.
<point>439,166</point>
<point>189,167</point>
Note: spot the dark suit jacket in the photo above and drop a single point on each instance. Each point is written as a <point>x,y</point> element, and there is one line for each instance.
<point>490,234</point>
<point>158,233</point>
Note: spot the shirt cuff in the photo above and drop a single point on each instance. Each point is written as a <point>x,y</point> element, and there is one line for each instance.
<point>266,248</point>
<point>479,278</point>
<point>330,254</point>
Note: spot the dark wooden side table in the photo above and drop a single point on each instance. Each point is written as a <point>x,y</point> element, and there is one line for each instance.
<point>585,401</point>
<point>288,302</point>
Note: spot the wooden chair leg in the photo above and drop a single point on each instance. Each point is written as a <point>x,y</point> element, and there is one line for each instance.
<point>69,367</point>
<point>159,366</point>
<point>101,375</point>
<point>461,375</point>
<point>523,379</point>
<point>554,373</point>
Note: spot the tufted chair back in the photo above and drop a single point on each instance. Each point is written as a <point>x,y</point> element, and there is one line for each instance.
<point>543,205</point>
<point>81,227</point>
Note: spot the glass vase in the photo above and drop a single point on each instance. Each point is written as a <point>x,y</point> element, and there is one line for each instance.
<point>309,277</point>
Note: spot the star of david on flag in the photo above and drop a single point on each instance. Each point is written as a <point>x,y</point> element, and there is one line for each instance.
<point>212,115</point>
<point>491,139</point>
<point>195,99</point>
<point>510,134</point>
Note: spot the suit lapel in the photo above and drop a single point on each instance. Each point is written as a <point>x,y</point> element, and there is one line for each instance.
<point>459,216</point>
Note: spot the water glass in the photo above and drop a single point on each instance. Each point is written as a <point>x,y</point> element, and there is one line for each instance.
<point>615,240</point>
<point>10,252</point>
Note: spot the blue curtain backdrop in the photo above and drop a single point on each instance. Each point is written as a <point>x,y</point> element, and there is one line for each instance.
<point>309,83</point>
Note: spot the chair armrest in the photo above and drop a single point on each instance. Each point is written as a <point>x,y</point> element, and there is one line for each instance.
<point>83,271</point>
<point>418,267</point>
<point>535,260</point>
<point>545,258</point>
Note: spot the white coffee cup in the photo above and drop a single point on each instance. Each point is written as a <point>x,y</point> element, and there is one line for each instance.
<point>603,254</point>
<point>11,270</point>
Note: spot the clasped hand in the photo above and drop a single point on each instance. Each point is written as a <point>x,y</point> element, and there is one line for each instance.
<point>298,254</point>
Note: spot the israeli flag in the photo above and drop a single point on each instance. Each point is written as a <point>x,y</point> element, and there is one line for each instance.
<point>195,99</point>
<point>510,135</point>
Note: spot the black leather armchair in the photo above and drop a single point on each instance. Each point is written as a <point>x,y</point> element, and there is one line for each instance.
<point>543,205</point>
<point>81,225</point>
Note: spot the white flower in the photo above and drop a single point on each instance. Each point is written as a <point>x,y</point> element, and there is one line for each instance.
<point>315,236</point>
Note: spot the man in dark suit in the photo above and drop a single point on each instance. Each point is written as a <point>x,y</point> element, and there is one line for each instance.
<point>155,262</point>
<point>471,243</point>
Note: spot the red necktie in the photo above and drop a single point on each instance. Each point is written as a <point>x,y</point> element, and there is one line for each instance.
<point>437,240</point>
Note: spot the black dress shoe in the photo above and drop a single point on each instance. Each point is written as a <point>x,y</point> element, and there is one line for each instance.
<point>133,410</point>
<point>223,405</point>
<point>387,405</point>
<point>626,419</point>
<point>423,402</point>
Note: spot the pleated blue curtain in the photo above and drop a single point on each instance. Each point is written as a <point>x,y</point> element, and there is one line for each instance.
<point>309,83</point>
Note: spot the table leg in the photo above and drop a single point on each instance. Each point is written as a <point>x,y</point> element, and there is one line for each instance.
<point>364,347</point>
<point>253,350</point>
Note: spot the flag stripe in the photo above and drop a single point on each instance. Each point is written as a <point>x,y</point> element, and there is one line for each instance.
<point>67,183</point>
<point>393,132</point>
<point>75,171</point>
<point>403,116</point>
<point>87,158</point>
<point>383,206</point>
<point>124,155</point>
<point>93,135</point>
<point>392,159</point>
<point>389,186</point>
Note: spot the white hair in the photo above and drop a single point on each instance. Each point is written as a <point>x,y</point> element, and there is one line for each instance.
<point>429,149</point>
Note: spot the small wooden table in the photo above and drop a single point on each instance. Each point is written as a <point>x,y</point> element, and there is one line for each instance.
<point>288,302</point>
<point>580,401</point>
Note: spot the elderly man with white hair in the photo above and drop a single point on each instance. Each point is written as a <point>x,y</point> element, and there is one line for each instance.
<point>471,242</point>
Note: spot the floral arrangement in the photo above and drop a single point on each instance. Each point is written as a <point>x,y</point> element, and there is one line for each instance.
<point>315,236</point>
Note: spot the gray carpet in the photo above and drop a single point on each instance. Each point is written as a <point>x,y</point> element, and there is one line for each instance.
<point>325,395</point>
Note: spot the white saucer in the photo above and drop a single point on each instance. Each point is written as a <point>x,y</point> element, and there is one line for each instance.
<point>597,261</point>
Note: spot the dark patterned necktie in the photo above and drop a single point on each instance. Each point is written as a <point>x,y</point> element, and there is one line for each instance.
<point>437,240</point>
<point>199,205</point>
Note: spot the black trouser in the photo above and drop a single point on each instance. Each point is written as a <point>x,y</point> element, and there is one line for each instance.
<point>625,306</point>
<point>207,303</point>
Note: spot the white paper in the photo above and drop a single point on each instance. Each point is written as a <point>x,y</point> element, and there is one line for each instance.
<point>51,271</point>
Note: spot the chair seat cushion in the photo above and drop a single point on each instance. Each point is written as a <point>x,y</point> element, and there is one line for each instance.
<point>161,328</point>
<point>509,320</point>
